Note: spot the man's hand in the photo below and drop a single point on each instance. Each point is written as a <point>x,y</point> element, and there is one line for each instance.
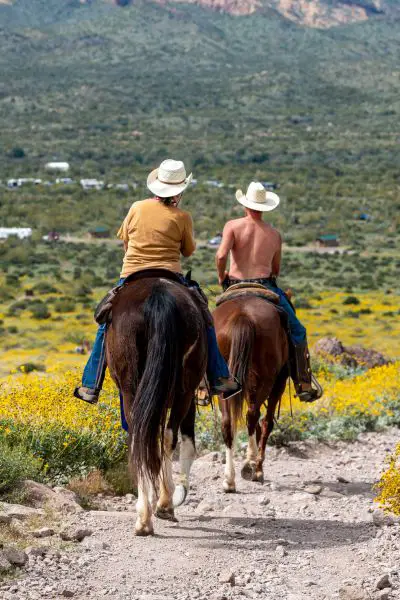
<point>221,278</point>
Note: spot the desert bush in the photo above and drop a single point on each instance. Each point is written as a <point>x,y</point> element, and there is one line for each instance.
<point>351,300</point>
<point>30,367</point>
<point>39,310</point>
<point>44,287</point>
<point>16,307</point>
<point>16,464</point>
<point>64,305</point>
<point>119,479</point>
<point>389,484</point>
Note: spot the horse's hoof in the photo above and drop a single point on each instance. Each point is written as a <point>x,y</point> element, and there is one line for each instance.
<point>180,495</point>
<point>229,488</point>
<point>248,471</point>
<point>144,530</point>
<point>258,477</point>
<point>167,514</point>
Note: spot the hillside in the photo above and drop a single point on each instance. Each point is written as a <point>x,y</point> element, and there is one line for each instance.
<point>115,90</point>
<point>312,13</point>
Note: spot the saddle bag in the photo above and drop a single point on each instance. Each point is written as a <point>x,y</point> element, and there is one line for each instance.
<point>102,314</point>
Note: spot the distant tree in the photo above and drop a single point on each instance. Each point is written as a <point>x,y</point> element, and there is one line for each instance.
<point>17,152</point>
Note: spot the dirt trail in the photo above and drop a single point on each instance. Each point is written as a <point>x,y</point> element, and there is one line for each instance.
<point>304,534</point>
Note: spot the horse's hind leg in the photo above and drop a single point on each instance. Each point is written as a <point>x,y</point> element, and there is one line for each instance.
<point>165,508</point>
<point>144,525</point>
<point>267,423</point>
<point>228,434</point>
<point>249,470</point>
<point>187,454</point>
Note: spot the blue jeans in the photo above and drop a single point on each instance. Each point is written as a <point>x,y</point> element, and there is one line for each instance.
<point>298,332</point>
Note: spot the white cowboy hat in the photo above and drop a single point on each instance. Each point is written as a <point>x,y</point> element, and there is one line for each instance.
<point>169,179</point>
<point>257,197</point>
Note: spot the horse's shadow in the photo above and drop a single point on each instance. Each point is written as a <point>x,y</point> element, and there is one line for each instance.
<point>305,534</point>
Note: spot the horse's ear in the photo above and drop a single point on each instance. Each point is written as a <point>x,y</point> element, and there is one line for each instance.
<point>188,275</point>
<point>289,293</point>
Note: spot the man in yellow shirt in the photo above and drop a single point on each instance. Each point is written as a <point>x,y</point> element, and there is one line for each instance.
<point>156,233</point>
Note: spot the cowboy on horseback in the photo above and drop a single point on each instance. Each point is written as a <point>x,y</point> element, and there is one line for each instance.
<point>156,232</point>
<point>255,249</point>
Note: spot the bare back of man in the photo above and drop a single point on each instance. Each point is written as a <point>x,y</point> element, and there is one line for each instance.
<point>254,248</point>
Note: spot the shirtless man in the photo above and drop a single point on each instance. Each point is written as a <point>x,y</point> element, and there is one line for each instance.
<point>255,251</point>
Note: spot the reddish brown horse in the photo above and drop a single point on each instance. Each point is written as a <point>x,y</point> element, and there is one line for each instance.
<point>251,337</point>
<point>156,353</point>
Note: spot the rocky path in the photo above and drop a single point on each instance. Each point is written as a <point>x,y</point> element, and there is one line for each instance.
<point>310,532</point>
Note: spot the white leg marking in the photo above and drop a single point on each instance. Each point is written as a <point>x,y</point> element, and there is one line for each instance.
<point>144,524</point>
<point>252,449</point>
<point>229,481</point>
<point>187,454</point>
<point>167,482</point>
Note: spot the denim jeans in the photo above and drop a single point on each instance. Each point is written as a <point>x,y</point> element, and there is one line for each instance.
<point>298,332</point>
<point>94,371</point>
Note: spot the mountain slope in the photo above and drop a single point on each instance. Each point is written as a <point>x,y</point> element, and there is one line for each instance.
<point>311,13</point>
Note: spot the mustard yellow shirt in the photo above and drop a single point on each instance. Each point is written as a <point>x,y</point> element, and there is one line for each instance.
<point>156,235</point>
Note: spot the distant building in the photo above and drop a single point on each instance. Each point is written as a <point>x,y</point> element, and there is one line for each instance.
<point>52,236</point>
<point>57,166</point>
<point>20,232</point>
<point>92,184</point>
<point>13,183</point>
<point>215,241</point>
<point>99,232</point>
<point>124,187</point>
<point>64,180</point>
<point>214,183</point>
<point>330,240</point>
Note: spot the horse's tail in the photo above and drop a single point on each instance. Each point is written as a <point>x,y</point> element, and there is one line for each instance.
<point>240,361</point>
<point>157,385</point>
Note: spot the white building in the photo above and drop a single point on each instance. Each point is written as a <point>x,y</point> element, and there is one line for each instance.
<point>57,166</point>
<point>92,184</point>
<point>13,183</point>
<point>20,232</point>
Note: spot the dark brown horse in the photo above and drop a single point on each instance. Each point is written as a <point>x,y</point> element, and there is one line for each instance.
<point>253,341</point>
<point>156,353</point>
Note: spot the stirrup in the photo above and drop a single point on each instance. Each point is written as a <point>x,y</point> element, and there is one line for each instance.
<point>90,396</point>
<point>311,395</point>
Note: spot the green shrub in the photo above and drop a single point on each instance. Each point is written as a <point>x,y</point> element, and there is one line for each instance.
<point>40,311</point>
<point>351,300</point>
<point>43,287</point>
<point>12,279</point>
<point>119,479</point>
<point>16,464</point>
<point>17,307</point>
<point>29,367</point>
<point>64,305</point>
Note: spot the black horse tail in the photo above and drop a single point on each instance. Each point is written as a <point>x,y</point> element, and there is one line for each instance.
<point>240,361</point>
<point>157,385</point>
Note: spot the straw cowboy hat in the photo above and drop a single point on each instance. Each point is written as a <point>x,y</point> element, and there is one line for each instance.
<point>257,198</point>
<point>169,179</point>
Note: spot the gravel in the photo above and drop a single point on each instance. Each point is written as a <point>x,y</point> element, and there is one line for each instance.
<point>275,540</point>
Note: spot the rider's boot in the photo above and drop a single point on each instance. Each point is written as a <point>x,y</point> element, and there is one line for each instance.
<point>87,394</point>
<point>307,387</point>
<point>226,387</point>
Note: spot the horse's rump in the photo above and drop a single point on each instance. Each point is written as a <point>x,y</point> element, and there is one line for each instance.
<point>252,339</point>
<point>156,354</point>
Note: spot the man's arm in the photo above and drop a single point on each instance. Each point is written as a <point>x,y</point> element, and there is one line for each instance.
<point>276,261</point>
<point>221,258</point>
